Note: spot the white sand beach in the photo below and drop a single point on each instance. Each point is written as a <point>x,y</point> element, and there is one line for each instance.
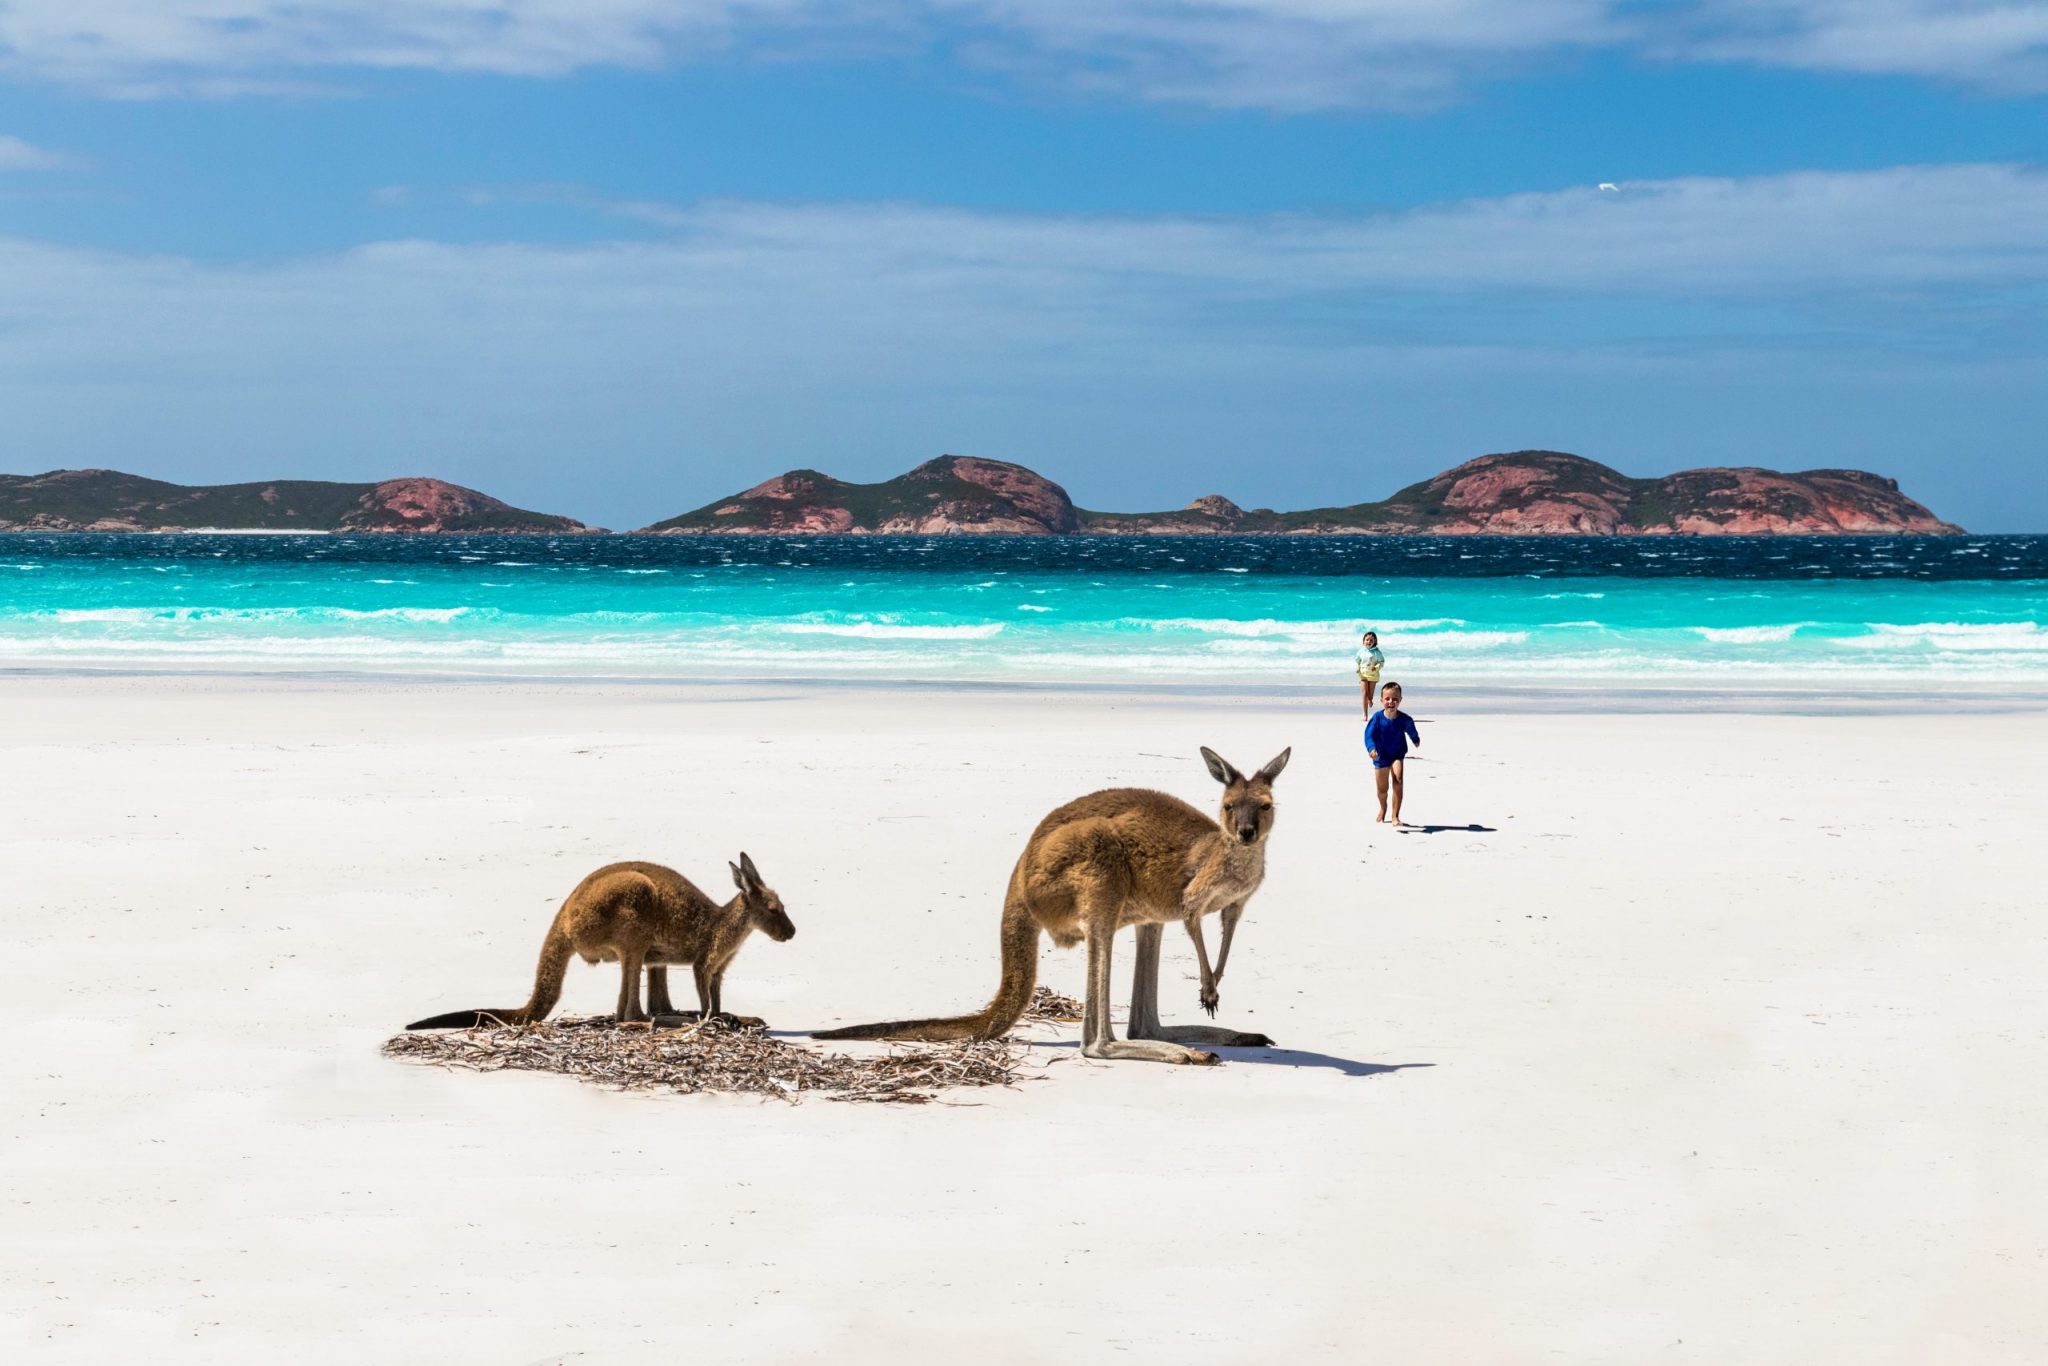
<point>1665,1037</point>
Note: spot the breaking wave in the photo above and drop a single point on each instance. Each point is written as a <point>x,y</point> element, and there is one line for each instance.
<point>874,630</point>
<point>1748,635</point>
<point>130,616</point>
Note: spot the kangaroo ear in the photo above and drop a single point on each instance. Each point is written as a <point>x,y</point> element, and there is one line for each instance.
<point>1275,764</point>
<point>1219,767</point>
<point>747,867</point>
<point>739,879</point>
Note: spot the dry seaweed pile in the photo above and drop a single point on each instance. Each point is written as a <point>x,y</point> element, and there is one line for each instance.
<point>713,1057</point>
<point>1047,1004</point>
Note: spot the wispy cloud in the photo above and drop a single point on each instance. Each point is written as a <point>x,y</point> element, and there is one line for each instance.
<point>1934,250</point>
<point>654,213</point>
<point>1288,55</point>
<point>1996,44</point>
<point>226,47</point>
<point>1913,230</point>
<point>748,327</point>
<point>16,155</point>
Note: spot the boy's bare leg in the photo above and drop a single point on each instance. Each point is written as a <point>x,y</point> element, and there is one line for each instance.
<point>1395,769</point>
<point>1379,782</point>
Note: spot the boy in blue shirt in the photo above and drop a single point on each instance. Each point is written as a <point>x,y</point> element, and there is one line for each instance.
<point>1388,733</point>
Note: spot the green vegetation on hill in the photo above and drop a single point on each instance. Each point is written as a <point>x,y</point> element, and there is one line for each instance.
<point>88,496</point>
<point>811,486</point>
<point>64,499</point>
<point>906,498</point>
<point>1426,501</point>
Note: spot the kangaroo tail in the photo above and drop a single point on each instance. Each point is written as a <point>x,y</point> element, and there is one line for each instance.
<point>1020,975</point>
<point>547,989</point>
<point>471,1019</point>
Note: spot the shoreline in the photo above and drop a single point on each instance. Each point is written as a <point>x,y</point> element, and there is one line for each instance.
<point>1900,698</point>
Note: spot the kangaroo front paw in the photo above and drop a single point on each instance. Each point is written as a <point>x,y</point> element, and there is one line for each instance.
<point>1210,1000</point>
<point>1200,1057</point>
<point>1251,1041</point>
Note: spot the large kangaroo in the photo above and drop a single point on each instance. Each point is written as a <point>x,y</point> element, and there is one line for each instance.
<point>642,914</point>
<point>1127,856</point>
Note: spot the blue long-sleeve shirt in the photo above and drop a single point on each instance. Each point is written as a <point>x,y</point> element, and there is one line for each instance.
<point>1388,736</point>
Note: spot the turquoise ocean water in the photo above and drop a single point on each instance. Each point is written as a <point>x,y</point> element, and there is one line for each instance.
<point>1565,613</point>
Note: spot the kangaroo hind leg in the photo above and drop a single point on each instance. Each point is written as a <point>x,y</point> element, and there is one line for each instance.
<point>718,994</point>
<point>1145,1005</point>
<point>630,960</point>
<point>658,1003</point>
<point>1098,1037</point>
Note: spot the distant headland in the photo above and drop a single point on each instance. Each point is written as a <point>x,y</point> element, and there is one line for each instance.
<point>1519,493</point>
<point>108,500</point>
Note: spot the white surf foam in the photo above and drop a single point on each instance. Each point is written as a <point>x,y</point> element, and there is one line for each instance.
<point>873,630</point>
<point>1748,635</point>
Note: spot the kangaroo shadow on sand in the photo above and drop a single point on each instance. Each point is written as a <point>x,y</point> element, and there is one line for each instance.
<point>1475,828</point>
<point>1301,1057</point>
<point>1274,1057</point>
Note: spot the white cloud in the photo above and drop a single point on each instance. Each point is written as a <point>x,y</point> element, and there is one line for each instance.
<point>152,46</point>
<point>1286,55</point>
<point>1771,238</point>
<point>1290,55</point>
<point>1938,246</point>
<point>1999,44</point>
<point>16,155</point>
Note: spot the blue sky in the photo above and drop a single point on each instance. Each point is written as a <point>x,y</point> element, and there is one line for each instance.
<point>617,259</point>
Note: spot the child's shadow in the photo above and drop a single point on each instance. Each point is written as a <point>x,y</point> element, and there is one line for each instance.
<point>1475,828</point>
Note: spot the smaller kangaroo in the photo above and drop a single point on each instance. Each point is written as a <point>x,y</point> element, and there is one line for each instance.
<point>644,915</point>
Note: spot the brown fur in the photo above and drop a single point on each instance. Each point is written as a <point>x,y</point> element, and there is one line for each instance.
<point>643,915</point>
<point>1127,856</point>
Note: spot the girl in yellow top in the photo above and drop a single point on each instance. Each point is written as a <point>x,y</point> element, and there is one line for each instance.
<point>1369,662</point>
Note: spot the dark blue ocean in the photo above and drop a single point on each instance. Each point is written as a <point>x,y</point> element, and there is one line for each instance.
<point>1834,614</point>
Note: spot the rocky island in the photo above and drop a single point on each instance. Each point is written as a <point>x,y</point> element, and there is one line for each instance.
<point>1522,493</point>
<point>108,500</point>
